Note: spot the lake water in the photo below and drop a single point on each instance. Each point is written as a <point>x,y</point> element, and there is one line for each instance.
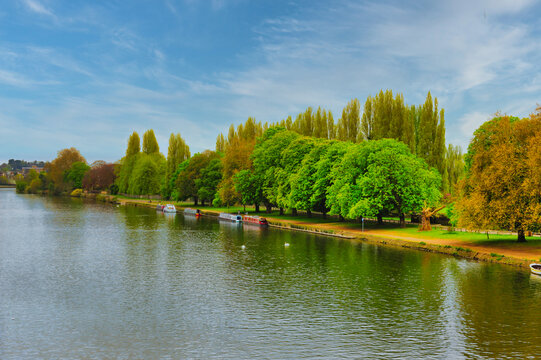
<point>80,279</point>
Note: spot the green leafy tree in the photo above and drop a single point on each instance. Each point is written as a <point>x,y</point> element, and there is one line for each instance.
<point>211,175</point>
<point>75,174</point>
<point>187,180</point>
<point>291,159</point>
<point>381,175</point>
<point>323,174</point>
<point>246,184</point>
<point>395,180</point>
<point>267,162</point>
<point>303,181</point>
<point>145,179</point>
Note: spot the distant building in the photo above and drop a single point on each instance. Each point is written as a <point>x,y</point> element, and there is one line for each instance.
<point>26,169</point>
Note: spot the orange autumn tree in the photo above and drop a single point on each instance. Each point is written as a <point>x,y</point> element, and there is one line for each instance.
<point>57,168</point>
<point>501,186</point>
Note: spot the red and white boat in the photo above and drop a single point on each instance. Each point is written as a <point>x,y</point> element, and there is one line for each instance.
<point>256,220</point>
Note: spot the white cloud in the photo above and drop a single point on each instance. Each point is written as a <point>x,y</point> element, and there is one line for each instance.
<point>37,7</point>
<point>471,121</point>
<point>14,79</point>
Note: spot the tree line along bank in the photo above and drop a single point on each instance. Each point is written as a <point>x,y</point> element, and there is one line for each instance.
<point>392,159</point>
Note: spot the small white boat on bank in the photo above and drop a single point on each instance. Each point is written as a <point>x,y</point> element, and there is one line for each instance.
<point>536,268</point>
<point>169,209</point>
<point>230,217</point>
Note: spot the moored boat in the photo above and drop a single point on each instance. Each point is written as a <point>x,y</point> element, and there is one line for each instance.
<point>159,207</point>
<point>195,212</point>
<point>536,268</point>
<point>169,208</point>
<point>230,217</point>
<point>256,220</point>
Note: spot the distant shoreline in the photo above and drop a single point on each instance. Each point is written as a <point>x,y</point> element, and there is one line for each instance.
<point>7,186</point>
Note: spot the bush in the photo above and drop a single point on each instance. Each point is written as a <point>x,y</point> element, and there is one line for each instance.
<point>20,187</point>
<point>113,189</point>
<point>76,193</point>
<point>217,202</point>
<point>35,186</point>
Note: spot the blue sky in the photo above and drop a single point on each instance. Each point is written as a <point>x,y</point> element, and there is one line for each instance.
<point>88,73</point>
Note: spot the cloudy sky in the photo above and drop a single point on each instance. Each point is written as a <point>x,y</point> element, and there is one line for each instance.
<point>88,73</point>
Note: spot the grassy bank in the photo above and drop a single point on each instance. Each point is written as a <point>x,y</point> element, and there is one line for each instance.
<point>499,248</point>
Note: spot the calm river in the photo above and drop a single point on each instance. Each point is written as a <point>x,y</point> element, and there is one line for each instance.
<point>80,279</point>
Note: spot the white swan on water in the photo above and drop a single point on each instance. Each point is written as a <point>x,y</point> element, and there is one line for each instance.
<point>286,244</point>
<point>243,247</point>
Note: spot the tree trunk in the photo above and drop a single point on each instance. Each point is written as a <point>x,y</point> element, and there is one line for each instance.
<point>426,214</point>
<point>425,220</point>
<point>309,213</point>
<point>244,208</point>
<point>269,208</point>
<point>324,214</point>
<point>340,217</point>
<point>281,211</point>
<point>294,212</point>
<point>521,236</point>
<point>256,207</point>
<point>203,202</point>
<point>380,219</point>
<point>402,220</point>
<point>195,200</point>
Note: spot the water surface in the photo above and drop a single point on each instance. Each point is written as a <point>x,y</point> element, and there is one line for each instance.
<point>80,279</point>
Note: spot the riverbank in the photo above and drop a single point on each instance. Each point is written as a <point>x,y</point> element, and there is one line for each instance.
<point>501,249</point>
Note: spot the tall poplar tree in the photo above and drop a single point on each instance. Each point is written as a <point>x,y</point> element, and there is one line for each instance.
<point>349,123</point>
<point>150,144</point>
<point>431,134</point>
<point>134,145</point>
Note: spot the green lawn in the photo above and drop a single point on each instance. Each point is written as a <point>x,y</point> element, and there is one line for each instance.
<point>437,233</point>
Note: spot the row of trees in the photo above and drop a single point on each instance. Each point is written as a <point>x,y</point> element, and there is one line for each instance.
<point>385,116</point>
<point>351,180</point>
<point>390,161</point>
<point>68,171</point>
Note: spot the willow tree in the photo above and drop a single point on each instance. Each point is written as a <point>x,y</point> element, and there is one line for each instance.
<point>500,189</point>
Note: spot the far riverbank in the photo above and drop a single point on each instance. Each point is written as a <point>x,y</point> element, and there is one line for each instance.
<point>476,246</point>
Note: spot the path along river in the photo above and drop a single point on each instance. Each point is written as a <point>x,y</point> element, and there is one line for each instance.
<point>80,279</point>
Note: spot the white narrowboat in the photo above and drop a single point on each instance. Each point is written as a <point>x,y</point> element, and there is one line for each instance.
<point>230,217</point>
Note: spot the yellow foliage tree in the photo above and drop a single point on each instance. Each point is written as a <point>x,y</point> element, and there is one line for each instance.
<point>501,186</point>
